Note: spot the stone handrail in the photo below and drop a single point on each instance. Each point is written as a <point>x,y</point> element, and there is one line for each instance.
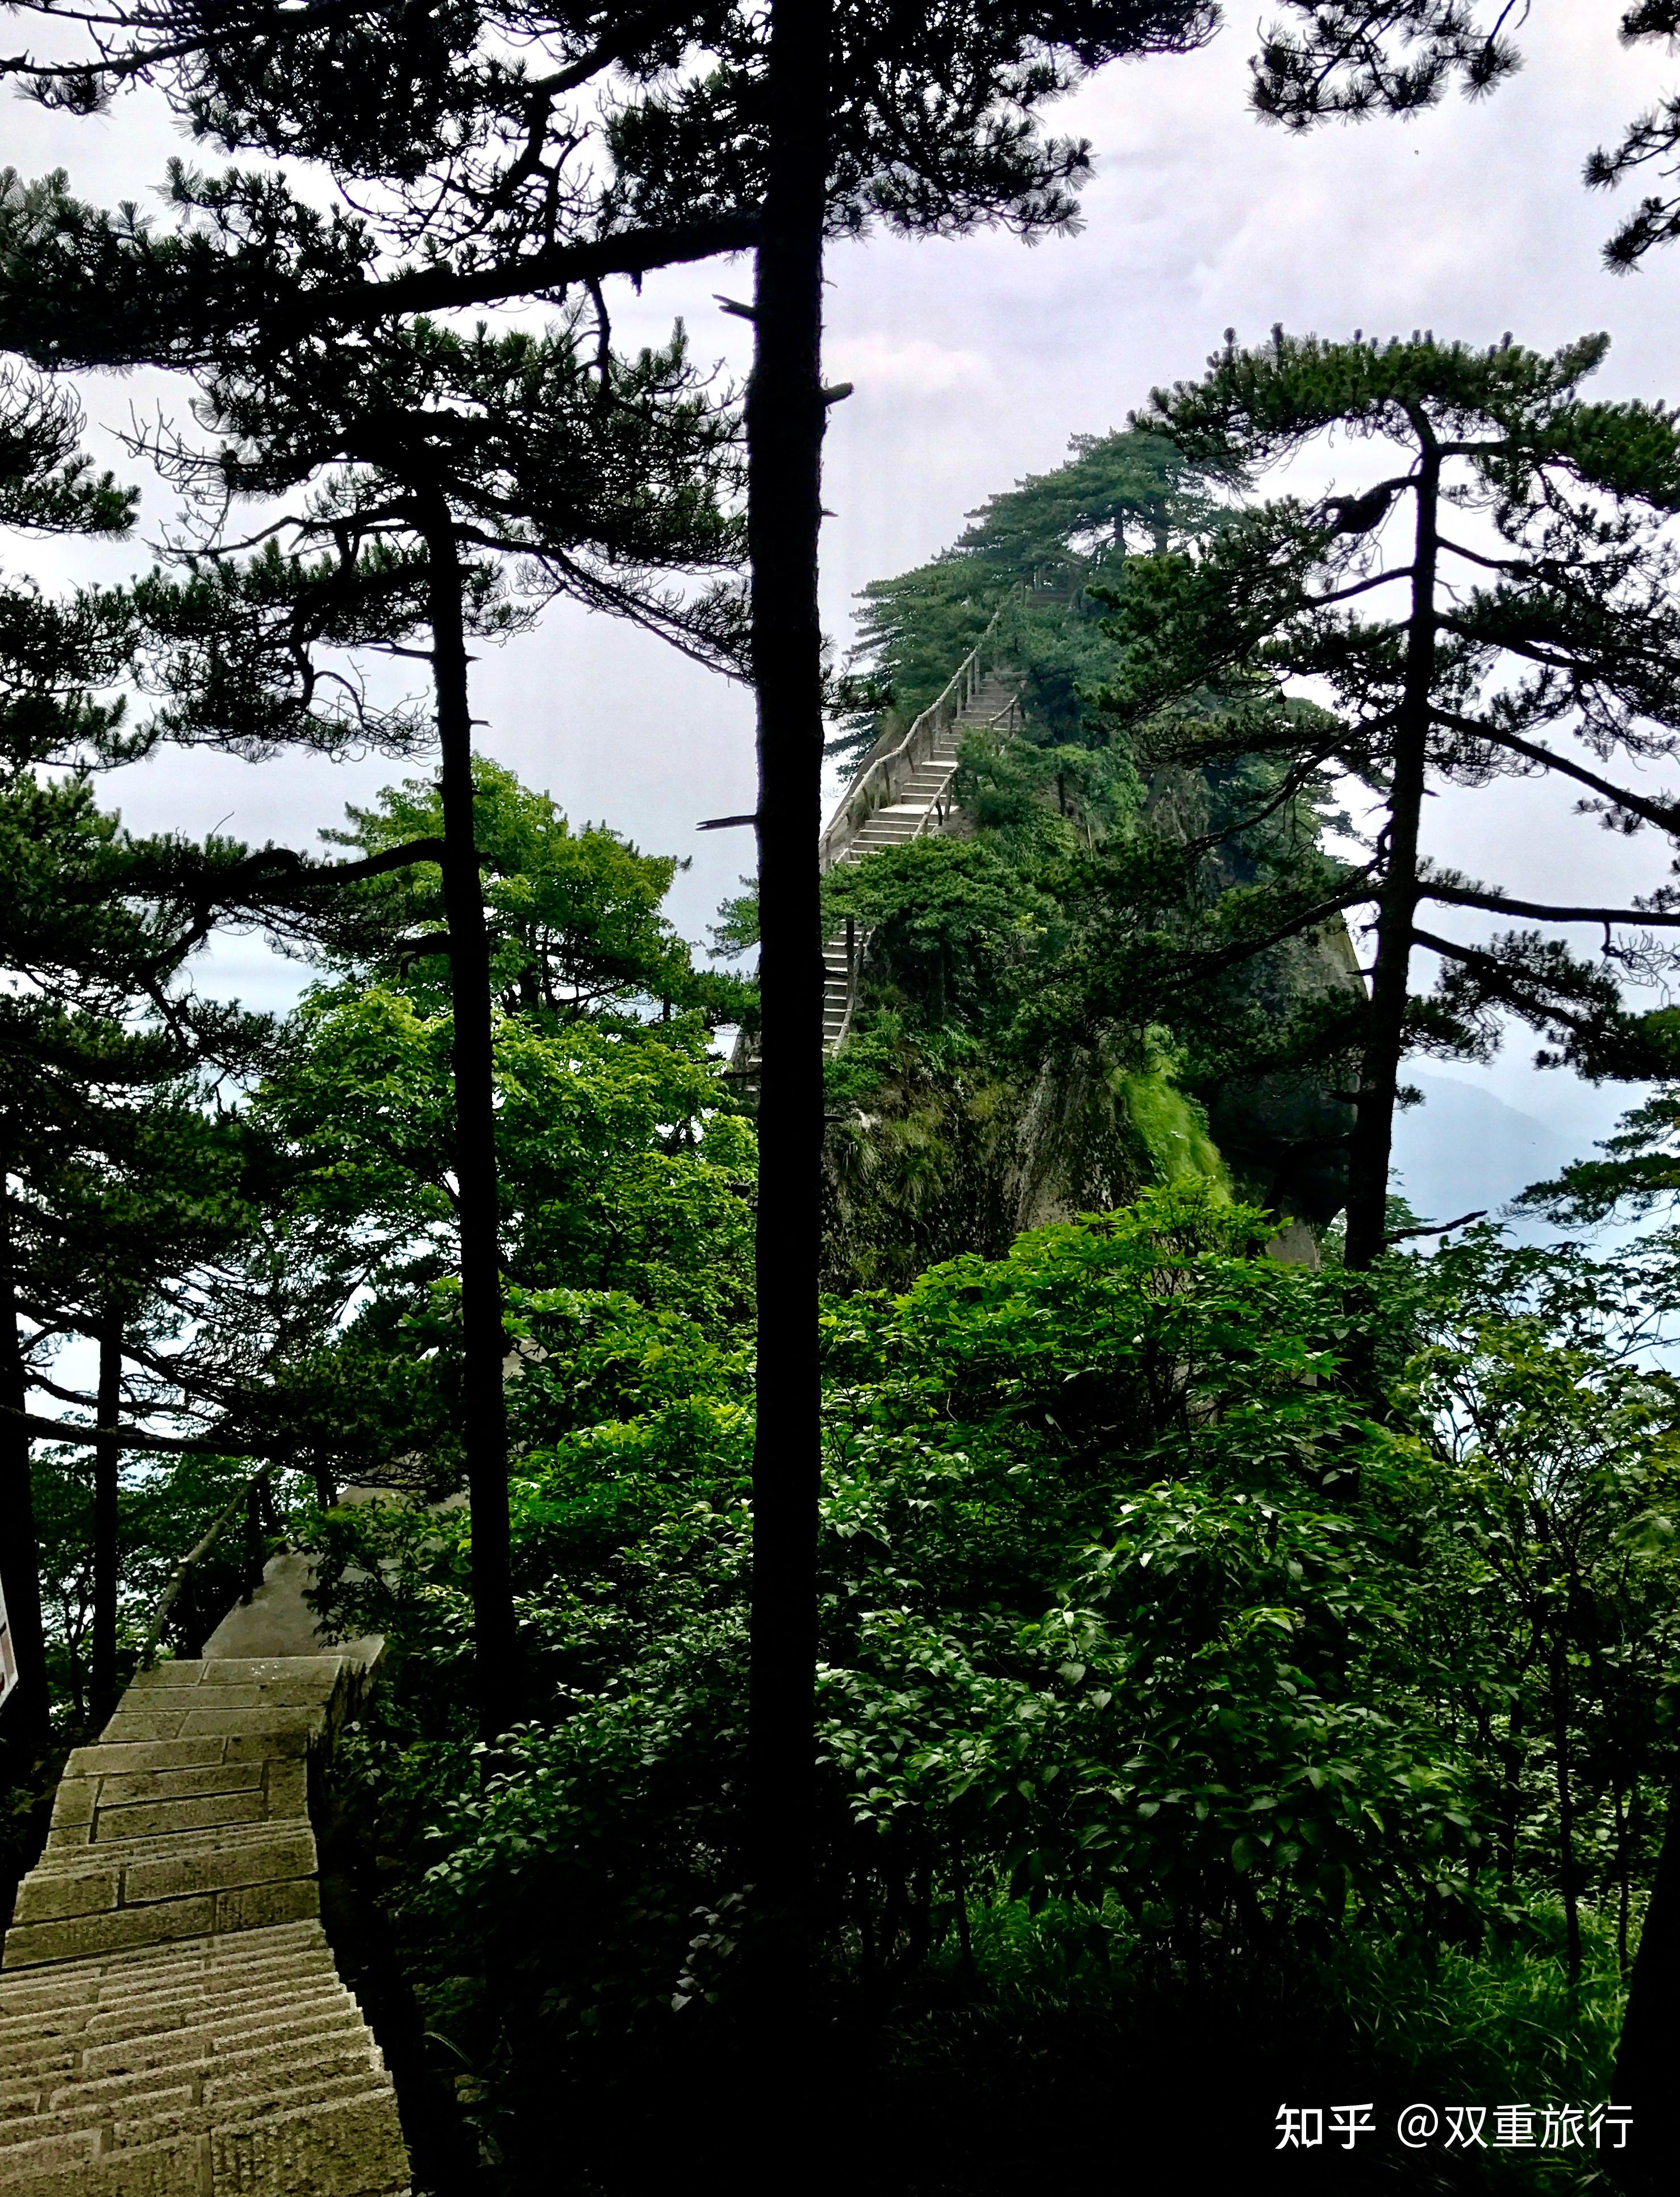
<point>881,775</point>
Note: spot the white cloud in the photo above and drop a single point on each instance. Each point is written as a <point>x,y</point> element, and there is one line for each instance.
<point>882,365</point>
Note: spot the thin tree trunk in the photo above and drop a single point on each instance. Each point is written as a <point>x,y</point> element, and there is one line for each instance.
<point>1510,1798</point>
<point>23,1720</point>
<point>483,1407</point>
<point>1372,1140</point>
<point>1650,2046</point>
<point>1565,1809</point>
<point>250,1556</point>
<point>785,431</point>
<point>107,1460</point>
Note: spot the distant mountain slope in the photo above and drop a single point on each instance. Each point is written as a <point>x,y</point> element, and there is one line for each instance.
<point>1465,1148</point>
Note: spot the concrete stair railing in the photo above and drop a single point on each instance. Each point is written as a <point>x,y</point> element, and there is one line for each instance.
<point>172,2022</point>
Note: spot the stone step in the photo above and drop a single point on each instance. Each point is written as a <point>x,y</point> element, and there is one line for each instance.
<point>168,2048</point>
<point>95,2065</point>
<point>208,1999</point>
<point>171,2021</point>
<point>174,2102</point>
<point>143,2110</point>
<point>73,2088</point>
<point>91,1856</point>
<point>105,2093</point>
<point>255,1987</point>
<point>230,1964</point>
<point>224,2114</point>
<point>344,2147</point>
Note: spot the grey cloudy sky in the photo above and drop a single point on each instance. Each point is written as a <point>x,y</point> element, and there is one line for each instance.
<point>974,362</point>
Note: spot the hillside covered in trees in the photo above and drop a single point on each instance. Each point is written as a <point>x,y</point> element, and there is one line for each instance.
<point>1192,1635</point>
<point>972,1602</point>
<point>1050,1017</point>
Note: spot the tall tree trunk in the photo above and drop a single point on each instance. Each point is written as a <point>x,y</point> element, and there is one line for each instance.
<point>1566,1808</point>
<point>1510,1796</point>
<point>483,1406</point>
<point>106,1461</point>
<point>1650,2048</point>
<point>23,1720</point>
<point>785,431</point>
<point>1397,903</point>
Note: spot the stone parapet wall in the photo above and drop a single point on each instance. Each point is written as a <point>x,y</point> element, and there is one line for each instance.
<point>171,2024</point>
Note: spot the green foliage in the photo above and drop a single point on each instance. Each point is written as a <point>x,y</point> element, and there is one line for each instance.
<point>953,926</point>
<point>282,1258</point>
<point>575,916</point>
<point>1033,554</point>
<point>164,1507</point>
<point>1558,630</point>
<point>1639,1173</point>
<point>1173,1131</point>
<point>620,1166</point>
<point>1140,1634</point>
<point>225,648</point>
<point>1134,893</point>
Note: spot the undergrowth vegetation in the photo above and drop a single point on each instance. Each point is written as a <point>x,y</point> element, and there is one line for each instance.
<point>1171,1688</point>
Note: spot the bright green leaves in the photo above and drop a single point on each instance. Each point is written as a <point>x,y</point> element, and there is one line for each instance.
<point>953,924</point>
<point>576,921</point>
<point>1127,1605</point>
<point>619,1170</point>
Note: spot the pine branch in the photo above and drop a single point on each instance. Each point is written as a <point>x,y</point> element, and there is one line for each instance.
<point>536,275</point>
<point>1664,814</point>
<point>1498,904</point>
<point>81,1437</point>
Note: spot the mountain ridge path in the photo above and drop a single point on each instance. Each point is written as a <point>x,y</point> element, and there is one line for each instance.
<point>901,790</point>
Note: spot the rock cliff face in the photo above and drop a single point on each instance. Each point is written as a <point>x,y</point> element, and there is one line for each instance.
<point>932,1169</point>
<point>925,1167</point>
<point>931,1166</point>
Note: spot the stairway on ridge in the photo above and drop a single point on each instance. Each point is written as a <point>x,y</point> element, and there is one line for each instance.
<point>910,816</point>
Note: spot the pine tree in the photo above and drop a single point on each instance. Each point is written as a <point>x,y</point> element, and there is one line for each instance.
<point>1346,60</point>
<point>112,1176</point>
<point>123,1206</point>
<point>1035,559</point>
<point>1507,576</point>
<point>431,462</point>
<point>60,666</point>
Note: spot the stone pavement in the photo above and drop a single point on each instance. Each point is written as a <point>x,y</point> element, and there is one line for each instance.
<point>171,2024</point>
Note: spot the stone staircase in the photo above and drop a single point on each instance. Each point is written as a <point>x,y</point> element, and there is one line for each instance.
<point>901,793</point>
<point>171,2023</point>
